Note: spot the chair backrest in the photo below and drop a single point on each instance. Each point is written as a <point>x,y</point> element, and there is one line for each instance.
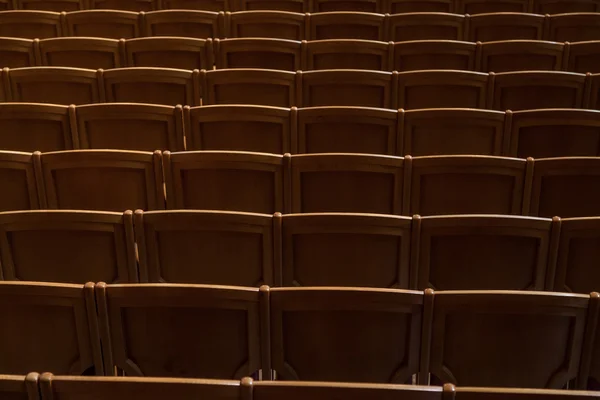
<point>21,187</point>
<point>106,180</point>
<point>566,187</point>
<point>19,387</point>
<point>297,6</point>
<point>240,127</point>
<point>565,6</point>
<point>348,335</point>
<point>16,53</point>
<point>111,24</point>
<point>261,53</point>
<point>507,338</point>
<point>231,181</point>
<point>468,185</point>
<point>51,5</point>
<point>584,57</point>
<point>594,101</point>
<point>345,250</point>
<point>505,26</point>
<point>212,331</point>
<point>184,23</point>
<point>359,183</point>
<point>434,54</point>
<point>521,55</point>
<point>81,52</point>
<point>445,131</point>
<point>347,54</point>
<point>266,24</point>
<point>491,252</point>
<point>205,5</point>
<point>473,7</point>
<point>67,317</point>
<point>347,130</point>
<point>373,6</point>
<point>128,5</point>
<point>346,25</point>
<point>35,127</point>
<point>56,85</point>
<point>169,52</point>
<point>576,27</point>
<point>426,26</point>
<point>488,393</point>
<point>126,126</point>
<point>30,24</point>
<point>410,6</point>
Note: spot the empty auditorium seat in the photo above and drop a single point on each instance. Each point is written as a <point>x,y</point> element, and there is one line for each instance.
<point>566,187</point>
<point>249,86</point>
<point>347,130</point>
<point>521,55</point>
<point>76,246</point>
<point>346,25</point>
<point>425,26</point>
<point>348,88</point>
<point>346,250</point>
<point>298,6</point>
<point>51,5</point>
<point>143,127</point>
<point>373,6</point>
<point>56,85</point>
<point>232,181</point>
<point>184,23</point>
<point>181,330</point>
<point>79,52</point>
<point>128,5</point>
<point>555,133</point>
<point>505,26</point>
<point>164,86</point>
<point>196,247</point>
<point>206,5</point>
<point>481,252</point>
<point>62,312</point>
<point>502,338</point>
<point>443,185</point>
<point>483,7</point>
<point>110,24</point>
<point>452,131</point>
<point>354,335</point>
<point>258,53</point>
<point>347,183</point>
<point>30,24</point>
<point>16,53</point>
<point>266,24</point>
<point>584,57</point>
<point>240,127</point>
<point>170,52</point>
<point>347,54</point>
<point>442,88</point>
<point>19,387</point>
<point>105,180</point>
<point>35,127</point>
<point>434,54</point>
<point>537,89</point>
<point>594,101</point>
<point>576,27</point>
<point>20,187</point>
<point>565,6</point>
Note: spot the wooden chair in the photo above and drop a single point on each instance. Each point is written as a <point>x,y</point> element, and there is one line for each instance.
<point>170,52</point>
<point>128,5</point>
<point>473,7</point>
<point>19,387</point>
<point>17,53</point>
<point>266,24</point>
<point>196,247</point>
<point>347,183</point>
<point>425,26</point>
<point>258,53</point>
<point>506,338</point>
<point>184,23</point>
<point>79,52</point>
<point>359,334</point>
<point>106,180</point>
<point>346,25</point>
<point>341,87</point>
<point>480,252</point>
<point>67,316</point>
<point>442,88</point>
<point>468,185</point>
<point>347,130</point>
<point>434,54</point>
<point>566,187</point>
<point>297,6</point>
<point>77,246</point>
<point>240,127</point>
<point>249,86</point>
<point>555,133</point>
<point>372,6</point>
<point>346,250</point>
<point>347,54</point>
<point>474,393</point>
<point>110,24</point>
<point>594,101</point>
<point>182,330</point>
<point>52,5</point>
<point>584,57</point>
<point>446,131</point>
<point>525,90</point>
<point>56,85</point>
<point>164,86</point>
<point>20,186</point>
<point>562,6</point>
<point>411,6</point>
<point>28,24</point>
<point>36,127</point>
<point>230,181</point>
<point>123,388</point>
<point>202,5</point>
<point>122,126</point>
<point>521,55</point>
<point>505,26</point>
<point>576,27</point>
